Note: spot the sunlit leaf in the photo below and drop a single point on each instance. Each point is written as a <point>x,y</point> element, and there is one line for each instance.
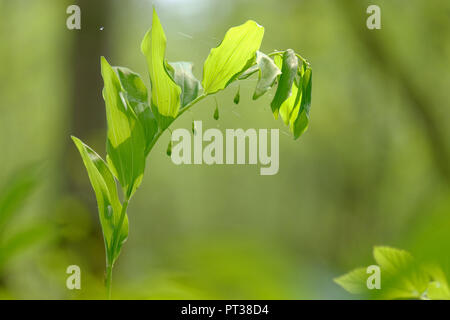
<point>126,138</point>
<point>438,289</point>
<point>232,57</point>
<point>268,73</point>
<point>405,278</point>
<point>354,281</point>
<point>181,73</point>
<point>137,96</point>
<point>300,119</point>
<point>288,73</point>
<point>166,94</point>
<point>104,186</point>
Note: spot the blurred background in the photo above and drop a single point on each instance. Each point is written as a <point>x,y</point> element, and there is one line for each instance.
<point>373,168</point>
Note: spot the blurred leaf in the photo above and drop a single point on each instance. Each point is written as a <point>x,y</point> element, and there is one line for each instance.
<point>288,73</point>
<point>104,186</point>
<point>165,100</point>
<point>16,191</point>
<point>268,73</point>
<point>232,57</point>
<point>354,282</point>
<point>401,276</point>
<point>137,97</point>
<point>126,140</point>
<point>22,241</point>
<point>181,73</point>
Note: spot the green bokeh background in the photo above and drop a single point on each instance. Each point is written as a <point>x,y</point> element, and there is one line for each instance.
<point>373,168</point>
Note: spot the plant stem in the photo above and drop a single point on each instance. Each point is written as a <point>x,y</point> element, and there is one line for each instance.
<point>109,269</point>
<point>112,254</point>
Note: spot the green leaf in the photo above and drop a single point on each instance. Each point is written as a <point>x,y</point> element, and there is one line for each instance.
<point>104,185</point>
<point>181,73</point>
<point>232,57</point>
<point>268,73</point>
<point>290,105</point>
<point>137,96</point>
<point>237,97</point>
<point>166,94</point>
<point>288,73</point>
<point>126,138</point>
<point>300,119</point>
<point>402,276</point>
<point>354,282</point>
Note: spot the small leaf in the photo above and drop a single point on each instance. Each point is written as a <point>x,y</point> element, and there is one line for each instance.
<point>137,97</point>
<point>169,148</point>
<point>232,57</point>
<point>126,139</point>
<point>193,128</point>
<point>268,73</point>
<point>104,186</point>
<point>237,97</point>
<point>354,281</point>
<point>216,112</point>
<point>284,89</point>
<point>181,73</point>
<point>165,100</point>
